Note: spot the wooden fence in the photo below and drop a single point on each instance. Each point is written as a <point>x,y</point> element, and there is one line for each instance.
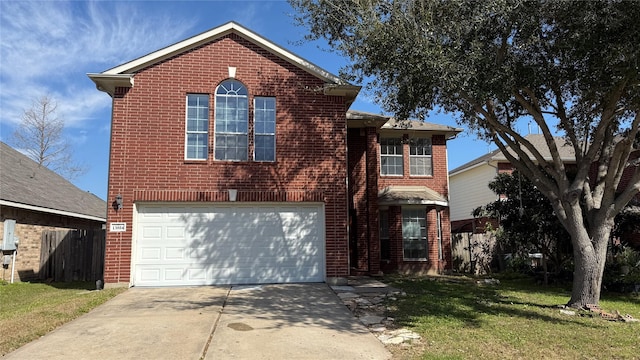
<point>72,255</point>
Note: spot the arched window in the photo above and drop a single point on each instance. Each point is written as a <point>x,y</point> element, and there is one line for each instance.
<point>231,121</point>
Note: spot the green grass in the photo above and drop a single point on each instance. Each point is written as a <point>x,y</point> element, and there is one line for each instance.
<point>459,319</point>
<point>30,310</point>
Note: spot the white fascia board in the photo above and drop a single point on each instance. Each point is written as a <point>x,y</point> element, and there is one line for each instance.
<point>416,202</point>
<point>218,32</point>
<point>51,211</point>
<point>469,168</point>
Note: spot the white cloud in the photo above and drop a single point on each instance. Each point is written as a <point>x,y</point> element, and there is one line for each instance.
<point>48,47</point>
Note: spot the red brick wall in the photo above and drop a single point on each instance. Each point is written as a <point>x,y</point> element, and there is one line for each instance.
<point>28,230</point>
<point>437,182</point>
<point>148,131</point>
<point>364,160</point>
<point>356,139</point>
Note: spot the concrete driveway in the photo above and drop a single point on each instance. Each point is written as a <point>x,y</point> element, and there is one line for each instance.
<point>301,321</point>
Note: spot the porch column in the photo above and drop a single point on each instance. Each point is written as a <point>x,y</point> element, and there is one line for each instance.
<point>373,172</point>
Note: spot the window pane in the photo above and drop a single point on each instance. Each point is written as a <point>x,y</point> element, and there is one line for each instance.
<point>414,234</point>
<point>420,165</point>
<point>420,157</point>
<point>231,122</point>
<point>265,148</point>
<point>196,146</point>
<point>264,127</point>
<point>197,118</point>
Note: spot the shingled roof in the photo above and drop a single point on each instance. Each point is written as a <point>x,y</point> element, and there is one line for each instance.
<point>27,185</point>
<point>566,151</point>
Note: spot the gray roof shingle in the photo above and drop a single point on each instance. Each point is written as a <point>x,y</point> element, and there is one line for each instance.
<point>24,181</point>
<point>567,153</point>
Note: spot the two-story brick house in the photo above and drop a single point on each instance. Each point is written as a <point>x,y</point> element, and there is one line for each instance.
<point>229,164</point>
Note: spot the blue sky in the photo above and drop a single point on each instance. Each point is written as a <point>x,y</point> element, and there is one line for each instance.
<point>48,47</point>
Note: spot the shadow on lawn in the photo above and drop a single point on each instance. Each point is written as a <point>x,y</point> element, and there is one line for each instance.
<point>73,285</point>
<point>462,300</point>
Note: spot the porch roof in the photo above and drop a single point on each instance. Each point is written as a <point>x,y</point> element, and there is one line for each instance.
<point>410,195</point>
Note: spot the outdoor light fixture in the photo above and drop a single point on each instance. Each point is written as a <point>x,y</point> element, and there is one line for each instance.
<point>117,205</point>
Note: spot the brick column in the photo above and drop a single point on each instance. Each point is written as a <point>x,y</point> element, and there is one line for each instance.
<point>373,173</point>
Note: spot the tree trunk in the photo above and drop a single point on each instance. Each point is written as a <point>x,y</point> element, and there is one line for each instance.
<point>590,255</point>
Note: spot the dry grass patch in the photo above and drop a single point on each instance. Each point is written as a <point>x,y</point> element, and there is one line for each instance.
<point>513,320</point>
<point>30,310</point>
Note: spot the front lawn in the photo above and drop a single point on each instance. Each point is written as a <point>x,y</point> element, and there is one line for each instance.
<point>516,319</point>
<point>30,310</point>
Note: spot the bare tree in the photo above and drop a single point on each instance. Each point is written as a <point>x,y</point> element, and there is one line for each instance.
<point>40,136</point>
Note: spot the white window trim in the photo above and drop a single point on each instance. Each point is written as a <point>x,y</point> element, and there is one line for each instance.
<point>215,133</point>
<point>255,133</point>
<point>423,210</point>
<point>401,156</point>
<point>187,132</point>
<point>430,157</point>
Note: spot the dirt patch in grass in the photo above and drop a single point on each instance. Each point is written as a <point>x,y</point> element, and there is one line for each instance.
<point>30,310</point>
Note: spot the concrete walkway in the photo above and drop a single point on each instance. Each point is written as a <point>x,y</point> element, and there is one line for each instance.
<point>302,321</point>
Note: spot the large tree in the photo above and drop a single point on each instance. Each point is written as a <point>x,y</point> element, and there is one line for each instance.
<point>570,66</point>
<point>41,136</point>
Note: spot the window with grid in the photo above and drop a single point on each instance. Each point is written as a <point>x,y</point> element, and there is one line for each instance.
<point>391,156</point>
<point>264,122</point>
<point>197,132</point>
<point>414,234</point>
<point>231,122</point>
<point>420,162</point>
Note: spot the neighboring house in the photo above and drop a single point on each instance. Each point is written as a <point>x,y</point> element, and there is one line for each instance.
<point>235,161</point>
<point>468,185</point>
<point>34,199</point>
<point>469,182</point>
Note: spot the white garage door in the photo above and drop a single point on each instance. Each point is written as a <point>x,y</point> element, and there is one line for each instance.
<point>195,244</point>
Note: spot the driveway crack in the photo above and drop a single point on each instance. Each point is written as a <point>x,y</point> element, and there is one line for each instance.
<point>215,325</point>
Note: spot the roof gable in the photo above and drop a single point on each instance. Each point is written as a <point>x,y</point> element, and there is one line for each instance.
<point>122,75</point>
<point>567,153</point>
<point>26,184</point>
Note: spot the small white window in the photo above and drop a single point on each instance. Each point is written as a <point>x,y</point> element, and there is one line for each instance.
<point>420,162</point>
<point>264,129</point>
<point>197,133</point>
<point>391,156</point>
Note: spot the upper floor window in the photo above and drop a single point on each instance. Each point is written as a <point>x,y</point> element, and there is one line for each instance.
<point>391,156</point>
<point>420,162</point>
<point>197,133</point>
<point>231,121</point>
<point>264,129</point>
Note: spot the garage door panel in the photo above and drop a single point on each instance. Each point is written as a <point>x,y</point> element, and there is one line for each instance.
<point>228,244</point>
<point>153,253</point>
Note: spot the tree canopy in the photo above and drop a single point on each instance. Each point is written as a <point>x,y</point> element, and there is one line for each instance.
<point>569,66</point>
